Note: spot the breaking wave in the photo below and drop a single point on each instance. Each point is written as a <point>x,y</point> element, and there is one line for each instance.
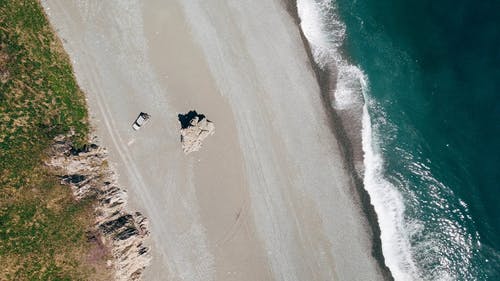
<point>325,33</point>
<point>427,232</point>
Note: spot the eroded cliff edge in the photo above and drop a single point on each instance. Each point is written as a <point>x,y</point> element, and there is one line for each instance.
<point>121,233</point>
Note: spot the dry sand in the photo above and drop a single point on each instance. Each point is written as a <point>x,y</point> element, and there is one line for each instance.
<point>268,197</point>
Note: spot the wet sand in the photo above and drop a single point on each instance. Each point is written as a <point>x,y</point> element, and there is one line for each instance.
<point>269,196</point>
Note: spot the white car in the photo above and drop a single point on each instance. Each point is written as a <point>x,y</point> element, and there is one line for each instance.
<point>142,119</point>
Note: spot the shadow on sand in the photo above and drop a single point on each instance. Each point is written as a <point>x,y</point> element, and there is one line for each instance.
<point>185,119</point>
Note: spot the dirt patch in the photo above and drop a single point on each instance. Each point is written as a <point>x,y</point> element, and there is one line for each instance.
<point>98,251</point>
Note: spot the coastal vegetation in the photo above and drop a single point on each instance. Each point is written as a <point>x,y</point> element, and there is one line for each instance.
<point>43,229</point>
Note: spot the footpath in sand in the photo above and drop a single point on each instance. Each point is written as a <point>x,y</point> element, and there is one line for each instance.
<point>268,196</point>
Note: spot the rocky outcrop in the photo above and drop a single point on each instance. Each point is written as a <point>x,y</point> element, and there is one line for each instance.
<point>86,172</point>
<point>194,129</point>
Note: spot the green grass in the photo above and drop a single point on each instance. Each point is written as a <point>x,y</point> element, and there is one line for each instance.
<point>41,98</point>
<point>42,228</point>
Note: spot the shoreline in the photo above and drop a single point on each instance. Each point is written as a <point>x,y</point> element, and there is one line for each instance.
<point>269,196</point>
<point>326,81</point>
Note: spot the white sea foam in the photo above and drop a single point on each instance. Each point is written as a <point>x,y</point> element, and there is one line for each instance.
<point>349,86</point>
<point>322,29</point>
<point>389,207</point>
<point>325,34</point>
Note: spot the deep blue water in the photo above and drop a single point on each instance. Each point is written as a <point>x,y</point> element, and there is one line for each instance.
<point>434,100</point>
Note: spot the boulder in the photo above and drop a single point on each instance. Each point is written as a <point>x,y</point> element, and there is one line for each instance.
<point>194,129</point>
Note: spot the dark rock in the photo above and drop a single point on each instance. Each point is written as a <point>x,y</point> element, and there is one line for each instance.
<point>127,233</point>
<point>114,225</point>
<point>142,250</point>
<point>115,204</point>
<point>85,148</point>
<point>75,179</point>
<point>85,171</point>
<point>91,236</point>
<point>185,119</point>
<point>137,274</point>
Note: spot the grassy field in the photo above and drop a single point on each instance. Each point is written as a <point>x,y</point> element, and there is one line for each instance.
<point>42,228</point>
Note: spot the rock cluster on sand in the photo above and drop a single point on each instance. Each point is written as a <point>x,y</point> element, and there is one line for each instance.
<point>194,129</point>
<point>86,172</point>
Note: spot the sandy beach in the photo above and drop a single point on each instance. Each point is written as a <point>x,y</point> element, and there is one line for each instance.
<point>269,196</point>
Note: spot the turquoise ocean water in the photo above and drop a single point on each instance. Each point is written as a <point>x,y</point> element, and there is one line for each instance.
<point>429,72</point>
<point>434,102</point>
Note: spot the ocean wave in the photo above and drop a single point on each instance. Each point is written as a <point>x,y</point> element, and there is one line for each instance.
<point>325,33</point>
<point>437,224</point>
<point>427,231</point>
<point>323,30</point>
<point>389,206</point>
